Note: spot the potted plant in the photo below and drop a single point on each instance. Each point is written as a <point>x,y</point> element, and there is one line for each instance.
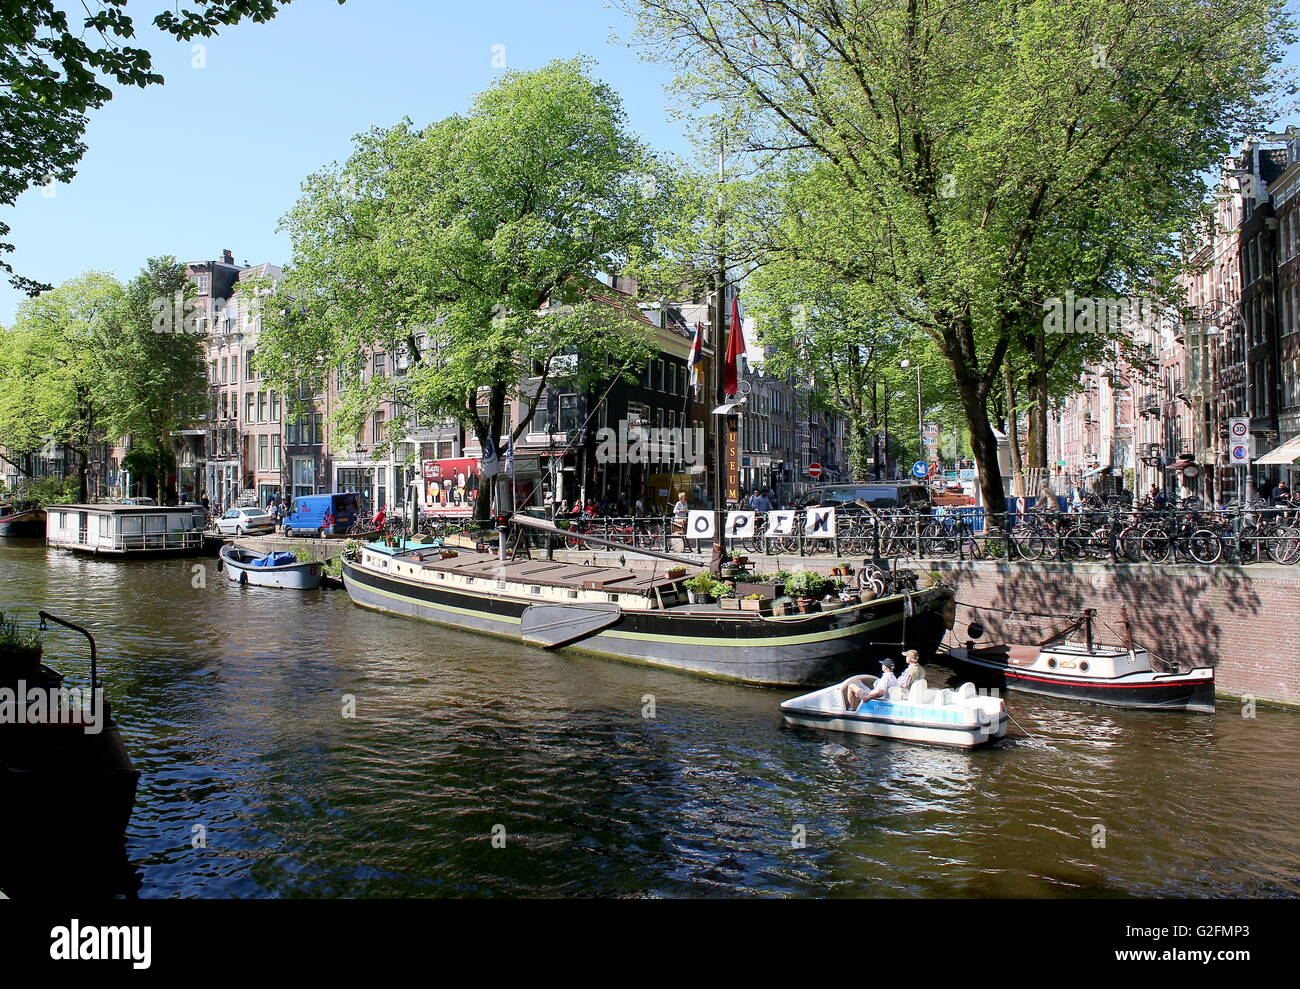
<point>447,554</point>
<point>756,602</point>
<point>805,586</point>
<point>20,648</point>
<point>729,601</point>
<point>703,587</point>
<point>675,573</point>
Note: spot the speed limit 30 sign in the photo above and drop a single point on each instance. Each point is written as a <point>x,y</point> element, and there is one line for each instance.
<point>1239,441</point>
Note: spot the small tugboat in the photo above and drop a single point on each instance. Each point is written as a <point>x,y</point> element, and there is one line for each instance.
<point>960,718</point>
<point>281,569</point>
<point>67,784</point>
<point>26,522</point>
<point>1118,676</point>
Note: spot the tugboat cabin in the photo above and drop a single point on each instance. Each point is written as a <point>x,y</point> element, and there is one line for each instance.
<point>126,530</point>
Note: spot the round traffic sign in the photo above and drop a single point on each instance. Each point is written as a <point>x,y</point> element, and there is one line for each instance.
<point>814,471</point>
<point>1239,453</point>
<point>920,469</point>
<point>1239,428</point>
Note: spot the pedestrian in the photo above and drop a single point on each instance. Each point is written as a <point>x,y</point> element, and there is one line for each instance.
<point>680,512</point>
<point>760,502</point>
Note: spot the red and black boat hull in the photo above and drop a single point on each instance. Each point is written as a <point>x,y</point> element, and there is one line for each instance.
<point>1187,691</point>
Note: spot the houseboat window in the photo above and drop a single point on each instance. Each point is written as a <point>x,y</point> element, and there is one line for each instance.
<point>103,525</point>
<point>155,523</point>
<point>132,525</point>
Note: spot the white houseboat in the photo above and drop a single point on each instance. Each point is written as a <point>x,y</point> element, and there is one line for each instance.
<point>127,530</point>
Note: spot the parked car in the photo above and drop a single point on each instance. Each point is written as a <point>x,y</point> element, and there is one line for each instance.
<point>308,514</point>
<point>884,494</point>
<point>137,501</point>
<point>246,522</point>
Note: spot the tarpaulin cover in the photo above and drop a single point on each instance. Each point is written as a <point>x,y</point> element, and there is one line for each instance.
<point>276,560</point>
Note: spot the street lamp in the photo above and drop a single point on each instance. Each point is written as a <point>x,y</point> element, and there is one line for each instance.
<point>920,429</point>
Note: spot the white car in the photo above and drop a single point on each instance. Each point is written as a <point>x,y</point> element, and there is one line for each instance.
<point>246,522</point>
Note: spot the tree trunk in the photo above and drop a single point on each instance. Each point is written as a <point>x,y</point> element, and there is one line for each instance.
<point>983,443</point>
<point>1038,452</point>
<point>861,447</point>
<point>1013,430</point>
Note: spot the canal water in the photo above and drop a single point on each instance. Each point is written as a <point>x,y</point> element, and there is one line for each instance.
<point>475,767</point>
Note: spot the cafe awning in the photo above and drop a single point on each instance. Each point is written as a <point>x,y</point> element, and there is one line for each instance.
<point>1096,470</point>
<point>1286,455</point>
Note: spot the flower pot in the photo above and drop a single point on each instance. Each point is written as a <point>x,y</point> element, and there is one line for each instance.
<point>867,594</point>
<point>19,662</point>
<point>808,605</point>
<point>761,605</point>
<point>730,603</point>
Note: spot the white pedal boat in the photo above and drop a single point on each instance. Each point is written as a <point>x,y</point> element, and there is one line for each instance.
<point>958,718</point>
<point>246,567</point>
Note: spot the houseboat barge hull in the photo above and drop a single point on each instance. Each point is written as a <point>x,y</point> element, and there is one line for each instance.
<point>477,593</point>
<point>26,524</point>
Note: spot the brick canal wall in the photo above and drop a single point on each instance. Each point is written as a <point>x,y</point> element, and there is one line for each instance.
<point>1245,621</point>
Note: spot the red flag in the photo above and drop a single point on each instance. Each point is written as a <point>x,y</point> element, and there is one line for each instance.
<point>735,351</point>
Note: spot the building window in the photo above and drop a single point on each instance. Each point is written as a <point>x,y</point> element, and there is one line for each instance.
<point>377,426</point>
<point>224,362</point>
<point>203,284</point>
<point>318,429</point>
<point>262,451</point>
<point>304,477</point>
<point>378,365</point>
<point>275,451</point>
<point>275,406</point>
<point>261,406</point>
<point>248,414</point>
<point>568,413</point>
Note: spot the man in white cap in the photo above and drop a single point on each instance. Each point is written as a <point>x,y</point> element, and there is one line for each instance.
<point>880,691</point>
<point>914,671</point>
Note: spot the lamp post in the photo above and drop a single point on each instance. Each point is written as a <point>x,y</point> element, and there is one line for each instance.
<point>1212,319</point>
<point>920,428</point>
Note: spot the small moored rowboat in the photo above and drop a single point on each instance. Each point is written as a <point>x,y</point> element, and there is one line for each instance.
<point>270,570</point>
<point>960,718</point>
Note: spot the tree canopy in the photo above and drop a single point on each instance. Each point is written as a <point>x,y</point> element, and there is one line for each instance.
<point>53,71</point>
<point>468,250</point>
<point>973,159</point>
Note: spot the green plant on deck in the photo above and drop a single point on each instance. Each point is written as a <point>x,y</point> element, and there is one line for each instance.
<point>14,636</point>
<point>705,583</point>
<point>805,584</point>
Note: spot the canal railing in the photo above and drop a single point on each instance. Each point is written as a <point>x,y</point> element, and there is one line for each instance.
<point>1235,535</point>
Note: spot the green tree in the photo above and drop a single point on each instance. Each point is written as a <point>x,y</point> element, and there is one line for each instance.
<point>990,154</point>
<point>154,383</point>
<point>52,73</point>
<point>52,370</point>
<point>467,250</point>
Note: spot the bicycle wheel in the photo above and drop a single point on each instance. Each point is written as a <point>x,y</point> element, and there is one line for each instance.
<point>1029,545</point>
<point>1284,546</point>
<point>1204,546</point>
<point>1154,546</point>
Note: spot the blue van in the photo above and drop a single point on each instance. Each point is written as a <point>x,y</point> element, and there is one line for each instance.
<point>308,515</point>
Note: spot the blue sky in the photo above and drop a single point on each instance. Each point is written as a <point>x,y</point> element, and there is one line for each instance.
<point>214,157</point>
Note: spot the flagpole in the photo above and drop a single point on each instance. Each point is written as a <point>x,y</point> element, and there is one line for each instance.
<point>718,423</point>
